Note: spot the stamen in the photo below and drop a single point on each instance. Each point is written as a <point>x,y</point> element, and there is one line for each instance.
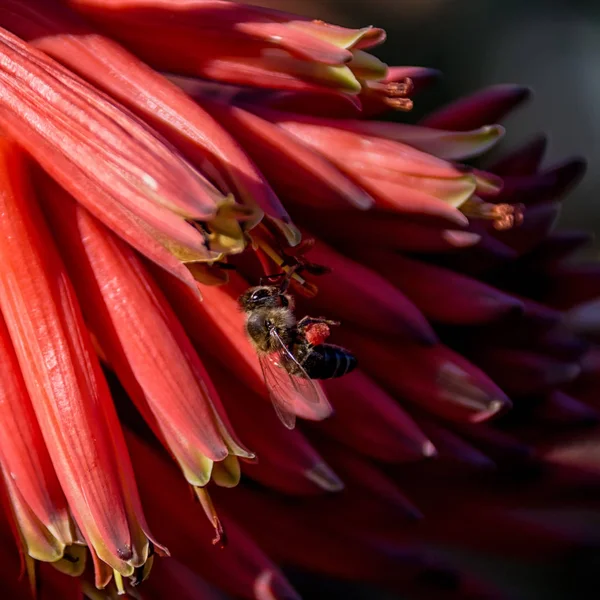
<point>278,259</point>
<point>119,583</point>
<point>210,511</point>
<point>504,216</point>
<point>403,104</point>
<point>29,566</point>
<point>394,93</point>
<point>397,89</point>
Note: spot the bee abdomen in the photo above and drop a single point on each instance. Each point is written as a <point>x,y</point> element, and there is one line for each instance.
<point>327,361</point>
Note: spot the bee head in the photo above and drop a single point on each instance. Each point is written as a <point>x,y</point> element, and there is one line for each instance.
<point>264,296</point>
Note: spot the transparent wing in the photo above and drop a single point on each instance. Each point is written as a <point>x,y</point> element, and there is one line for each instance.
<point>285,388</point>
<point>275,380</point>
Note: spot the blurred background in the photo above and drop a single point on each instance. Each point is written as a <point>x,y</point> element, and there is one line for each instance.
<point>552,46</point>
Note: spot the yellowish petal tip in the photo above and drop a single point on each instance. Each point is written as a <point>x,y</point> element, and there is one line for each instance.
<point>227,473</point>
<point>323,476</point>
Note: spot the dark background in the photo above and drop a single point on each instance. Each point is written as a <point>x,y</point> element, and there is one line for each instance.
<point>554,48</point>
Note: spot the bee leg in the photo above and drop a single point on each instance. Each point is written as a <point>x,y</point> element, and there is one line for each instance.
<point>306,321</point>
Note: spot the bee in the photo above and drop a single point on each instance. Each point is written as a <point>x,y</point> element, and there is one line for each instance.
<point>291,353</point>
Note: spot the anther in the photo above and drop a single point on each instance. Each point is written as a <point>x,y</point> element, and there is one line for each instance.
<point>394,93</point>
<point>504,216</point>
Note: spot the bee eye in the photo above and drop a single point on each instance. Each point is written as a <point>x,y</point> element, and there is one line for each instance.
<point>259,295</point>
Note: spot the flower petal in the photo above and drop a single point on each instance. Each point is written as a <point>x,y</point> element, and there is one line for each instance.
<point>443,295</point>
<point>522,372</point>
<point>24,454</point>
<point>525,160</point>
<point>449,145</point>
<point>350,287</point>
<point>372,422</point>
<point>142,339</point>
<point>487,106</point>
<point>64,380</point>
<point>385,230</point>
<point>286,162</point>
<point>287,463</point>
<point>264,47</point>
<point>436,379</point>
<point>219,319</point>
<point>147,93</point>
<point>236,568</point>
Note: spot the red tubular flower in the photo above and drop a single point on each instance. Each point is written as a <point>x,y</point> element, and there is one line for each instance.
<point>29,475</point>
<point>361,555</point>
<point>80,428</point>
<point>143,341</point>
<point>171,578</point>
<point>45,581</point>
<point>299,470</point>
<point>286,162</point>
<point>351,287</point>
<point>437,378</point>
<point>141,188</point>
<point>99,60</point>
<point>398,178</point>
<point>370,421</point>
<point>265,47</point>
<point>483,107</point>
<point>219,317</point>
<point>241,568</point>
<point>427,285</point>
<point>476,333</point>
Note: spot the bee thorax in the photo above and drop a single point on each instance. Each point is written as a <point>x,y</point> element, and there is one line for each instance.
<point>262,322</point>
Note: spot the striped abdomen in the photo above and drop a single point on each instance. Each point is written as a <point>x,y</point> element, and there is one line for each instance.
<point>327,361</point>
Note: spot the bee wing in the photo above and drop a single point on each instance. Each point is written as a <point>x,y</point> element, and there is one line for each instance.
<point>284,387</point>
<point>275,378</point>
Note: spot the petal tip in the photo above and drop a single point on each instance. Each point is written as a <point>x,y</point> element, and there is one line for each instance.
<point>324,477</point>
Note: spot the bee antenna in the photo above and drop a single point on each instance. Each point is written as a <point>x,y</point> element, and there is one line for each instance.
<point>288,277</point>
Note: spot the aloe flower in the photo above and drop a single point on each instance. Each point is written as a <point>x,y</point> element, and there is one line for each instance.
<point>157,158</point>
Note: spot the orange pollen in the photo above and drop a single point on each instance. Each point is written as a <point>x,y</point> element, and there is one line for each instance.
<point>504,216</point>
<point>404,104</point>
<point>397,89</point>
<point>316,333</point>
<point>394,93</point>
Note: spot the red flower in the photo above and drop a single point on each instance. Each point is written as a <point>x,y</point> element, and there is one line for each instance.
<point>162,200</point>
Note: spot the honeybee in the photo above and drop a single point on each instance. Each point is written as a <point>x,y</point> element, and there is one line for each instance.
<point>291,353</point>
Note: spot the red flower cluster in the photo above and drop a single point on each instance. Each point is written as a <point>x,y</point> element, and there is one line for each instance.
<point>137,206</point>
